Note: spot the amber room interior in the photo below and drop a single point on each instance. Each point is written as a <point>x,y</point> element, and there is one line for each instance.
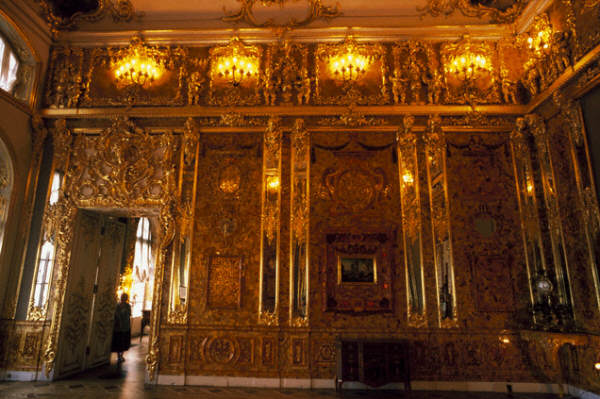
<point>304,193</point>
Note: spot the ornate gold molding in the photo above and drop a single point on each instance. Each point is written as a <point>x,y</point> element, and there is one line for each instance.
<point>316,11</point>
<point>299,225</point>
<point>474,9</point>
<point>120,10</point>
<point>270,222</point>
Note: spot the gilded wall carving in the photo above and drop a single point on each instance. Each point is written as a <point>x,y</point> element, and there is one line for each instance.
<point>407,72</point>
<point>124,166</point>
<point>340,186</point>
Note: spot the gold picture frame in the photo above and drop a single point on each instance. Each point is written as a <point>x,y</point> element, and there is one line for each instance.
<point>356,269</point>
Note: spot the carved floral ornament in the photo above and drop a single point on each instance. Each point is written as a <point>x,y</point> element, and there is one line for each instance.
<point>496,10</point>
<point>316,10</point>
<point>125,166</point>
<point>120,10</point>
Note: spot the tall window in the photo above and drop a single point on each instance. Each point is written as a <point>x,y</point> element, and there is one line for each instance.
<point>143,270</point>
<point>40,294</point>
<point>8,66</point>
<point>6,183</point>
<point>43,274</point>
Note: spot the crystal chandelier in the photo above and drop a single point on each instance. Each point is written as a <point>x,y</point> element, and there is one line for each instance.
<point>235,63</point>
<point>350,62</point>
<point>137,65</point>
<point>349,66</point>
<point>236,68</point>
<point>468,64</point>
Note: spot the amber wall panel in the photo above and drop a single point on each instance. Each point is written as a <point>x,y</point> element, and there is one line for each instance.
<point>354,190</point>
<point>225,257</point>
<point>491,278</point>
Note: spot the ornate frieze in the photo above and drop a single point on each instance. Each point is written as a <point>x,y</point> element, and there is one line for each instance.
<point>497,11</point>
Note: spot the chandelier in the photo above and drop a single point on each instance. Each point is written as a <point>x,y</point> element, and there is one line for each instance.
<point>234,63</point>
<point>349,61</point>
<point>349,66</point>
<point>540,37</point>
<point>468,64</point>
<point>235,69</point>
<point>468,68</point>
<point>137,65</point>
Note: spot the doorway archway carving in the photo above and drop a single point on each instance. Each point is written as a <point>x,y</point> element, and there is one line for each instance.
<point>125,168</point>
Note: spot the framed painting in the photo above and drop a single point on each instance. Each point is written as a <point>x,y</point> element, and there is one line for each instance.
<point>357,269</point>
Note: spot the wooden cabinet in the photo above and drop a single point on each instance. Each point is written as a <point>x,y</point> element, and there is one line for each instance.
<point>372,362</point>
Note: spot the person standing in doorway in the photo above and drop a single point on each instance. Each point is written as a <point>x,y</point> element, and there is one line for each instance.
<point>122,331</point>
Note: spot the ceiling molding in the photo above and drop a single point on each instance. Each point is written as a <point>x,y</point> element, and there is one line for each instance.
<point>308,110</point>
<point>534,8</point>
<point>259,35</point>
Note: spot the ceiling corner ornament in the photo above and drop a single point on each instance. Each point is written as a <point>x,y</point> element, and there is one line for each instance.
<point>119,10</point>
<point>316,10</point>
<point>475,8</point>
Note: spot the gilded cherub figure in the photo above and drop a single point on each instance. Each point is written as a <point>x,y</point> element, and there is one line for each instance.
<point>562,55</point>
<point>399,88</point>
<point>195,87</point>
<point>532,81</point>
<point>416,81</point>
<point>60,87</point>
<point>435,88</point>
<point>304,89</point>
<point>267,84</point>
<point>508,88</point>
<point>74,91</point>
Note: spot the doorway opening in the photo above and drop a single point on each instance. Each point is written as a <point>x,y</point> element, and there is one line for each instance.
<point>112,253</point>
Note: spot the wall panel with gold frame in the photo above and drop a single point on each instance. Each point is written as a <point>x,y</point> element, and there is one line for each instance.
<point>440,222</point>
<point>270,223</point>
<point>299,224</point>
<point>411,223</point>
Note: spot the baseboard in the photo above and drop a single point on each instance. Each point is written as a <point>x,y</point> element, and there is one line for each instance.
<point>308,383</point>
<point>12,375</point>
<point>582,393</point>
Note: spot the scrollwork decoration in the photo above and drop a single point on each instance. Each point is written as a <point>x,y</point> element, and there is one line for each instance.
<point>475,9</point>
<point>316,11</point>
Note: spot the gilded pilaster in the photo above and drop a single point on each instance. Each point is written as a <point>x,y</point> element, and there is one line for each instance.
<point>270,223</point>
<point>435,149</point>
<point>299,222</point>
<point>553,230</point>
<point>410,198</point>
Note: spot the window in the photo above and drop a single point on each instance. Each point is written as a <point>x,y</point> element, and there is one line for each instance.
<point>55,189</point>
<point>6,183</point>
<point>143,270</point>
<point>8,67</point>
<point>40,293</point>
<point>45,261</point>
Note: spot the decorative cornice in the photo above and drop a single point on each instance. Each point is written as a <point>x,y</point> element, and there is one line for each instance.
<point>207,37</point>
<point>333,110</point>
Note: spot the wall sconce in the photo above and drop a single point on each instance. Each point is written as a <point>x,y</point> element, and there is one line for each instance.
<point>408,178</point>
<point>349,66</point>
<point>234,63</point>
<point>273,183</point>
<point>540,37</point>
<point>597,367</point>
<point>466,61</point>
<point>529,187</point>
<point>349,61</point>
<point>137,65</point>
<point>468,67</point>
